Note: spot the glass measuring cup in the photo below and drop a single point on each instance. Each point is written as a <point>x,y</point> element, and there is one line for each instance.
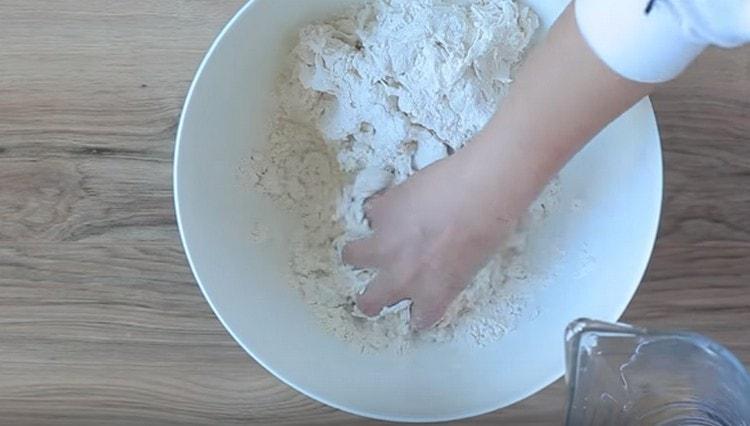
<point>623,375</point>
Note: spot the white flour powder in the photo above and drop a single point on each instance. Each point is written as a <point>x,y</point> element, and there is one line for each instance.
<point>368,99</point>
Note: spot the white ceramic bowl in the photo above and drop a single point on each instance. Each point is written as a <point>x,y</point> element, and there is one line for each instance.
<point>617,178</point>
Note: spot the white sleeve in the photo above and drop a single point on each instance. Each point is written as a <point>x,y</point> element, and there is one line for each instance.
<point>655,40</point>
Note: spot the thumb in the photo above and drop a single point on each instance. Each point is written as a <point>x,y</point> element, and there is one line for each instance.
<point>427,310</point>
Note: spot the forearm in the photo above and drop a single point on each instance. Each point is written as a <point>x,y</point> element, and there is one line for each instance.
<point>563,95</point>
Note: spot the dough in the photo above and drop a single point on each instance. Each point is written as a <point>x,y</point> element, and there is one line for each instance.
<point>369,98</point>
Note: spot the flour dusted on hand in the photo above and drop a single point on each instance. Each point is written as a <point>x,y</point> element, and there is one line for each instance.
<point>368,99</point>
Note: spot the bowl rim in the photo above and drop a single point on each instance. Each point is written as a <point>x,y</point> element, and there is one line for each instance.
<point>219,38</point>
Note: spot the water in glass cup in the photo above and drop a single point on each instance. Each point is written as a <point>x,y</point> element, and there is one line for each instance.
<point>622,375</point>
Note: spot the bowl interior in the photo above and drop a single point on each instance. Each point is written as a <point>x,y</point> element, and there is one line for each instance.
<point>600,249</point>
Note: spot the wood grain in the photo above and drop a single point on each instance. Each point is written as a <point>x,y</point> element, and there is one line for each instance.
<point>100,319</point>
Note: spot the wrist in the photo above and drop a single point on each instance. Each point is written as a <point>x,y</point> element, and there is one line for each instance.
<point>497,179</point>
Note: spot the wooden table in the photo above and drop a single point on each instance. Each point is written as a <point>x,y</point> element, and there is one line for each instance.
<point>100,318</point>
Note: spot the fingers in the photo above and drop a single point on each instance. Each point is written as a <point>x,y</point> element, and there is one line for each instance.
<point>434,295</point>
<point>370,208</point>
<point>360,253</point>
<point>430,292</point>
<point>372,201</point>
<point>426,314</point>
<point>380,293</point>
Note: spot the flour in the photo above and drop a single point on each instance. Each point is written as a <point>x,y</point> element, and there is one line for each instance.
<point>368,99</point>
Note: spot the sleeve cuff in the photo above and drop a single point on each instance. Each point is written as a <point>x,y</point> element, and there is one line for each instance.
<point>649,48</point>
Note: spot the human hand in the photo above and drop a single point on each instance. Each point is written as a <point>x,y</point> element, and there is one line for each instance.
<point>432,234</point>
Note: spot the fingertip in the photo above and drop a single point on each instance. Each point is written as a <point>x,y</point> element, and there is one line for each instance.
<point>357,253</point>
<point>370,203</point>
<point>422,320</point>
<point>371,209</point>
<point>379,294</point>
<point>425,315</point>
<point>368,304</point>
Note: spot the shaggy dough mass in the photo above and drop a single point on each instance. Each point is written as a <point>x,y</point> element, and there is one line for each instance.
<point>369,98</point>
